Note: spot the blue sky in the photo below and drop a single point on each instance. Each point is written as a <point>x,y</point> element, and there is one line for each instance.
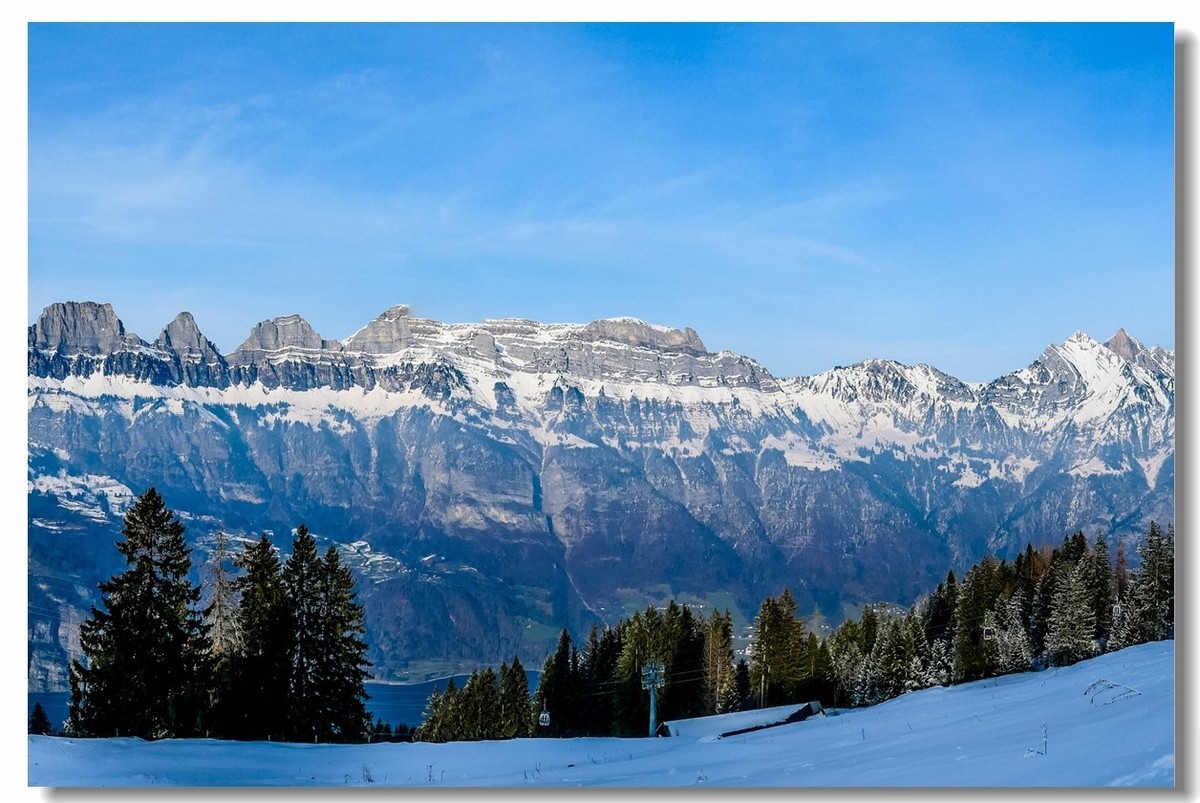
<point>808,194</point>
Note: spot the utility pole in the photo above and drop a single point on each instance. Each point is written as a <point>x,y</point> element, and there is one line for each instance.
<point>653,679</point>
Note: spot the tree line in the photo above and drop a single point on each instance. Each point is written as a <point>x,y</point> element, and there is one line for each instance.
<point>277,651</point>
<point>1050,607</point>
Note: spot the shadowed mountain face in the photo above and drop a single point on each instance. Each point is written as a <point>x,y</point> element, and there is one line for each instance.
<point>494,482</point>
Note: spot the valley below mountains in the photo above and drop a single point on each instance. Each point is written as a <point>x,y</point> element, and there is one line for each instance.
<point>491,483</point>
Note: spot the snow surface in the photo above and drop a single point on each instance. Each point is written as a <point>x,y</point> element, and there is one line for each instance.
<point>1105,722</point>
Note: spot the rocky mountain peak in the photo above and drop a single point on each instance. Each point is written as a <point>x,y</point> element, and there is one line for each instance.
<point>184,337</point>
<point>80,327</point>
<point>635,332</point>
<point>390,332</point>
<point>288,331</point>
<point>1124,345</point>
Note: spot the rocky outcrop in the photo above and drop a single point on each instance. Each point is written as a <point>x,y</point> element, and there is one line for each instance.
<point>74,328</point>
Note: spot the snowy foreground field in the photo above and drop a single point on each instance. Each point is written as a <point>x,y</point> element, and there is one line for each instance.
<point>1105,722</point>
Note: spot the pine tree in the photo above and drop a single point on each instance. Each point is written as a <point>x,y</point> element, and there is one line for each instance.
<point>146,673</point>
<point>39,723</point>
<point>683,695</point>
<point>939,614</point>
<point>431,727</point>
<point>342,662</point>
<point>974,656</point>
<point>254,704</point>
<point>515,709</point>
<point>777,661</point>
<point>480,707</point>
<point>597,671</point>
<point>301,581</point>
<point>741,677</point>
<point>719,686</point>
<point>1121,571</point>
<point>940,671</point>
<point>1013,653</point>
<point>846,659</point>
<point>220,591</point>
<point>1069,637</point>
<point>1148,607</point>
<point>556,691</point>
<point>1098,576</point>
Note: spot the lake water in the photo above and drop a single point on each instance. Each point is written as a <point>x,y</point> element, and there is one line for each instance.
<point>393,703</point>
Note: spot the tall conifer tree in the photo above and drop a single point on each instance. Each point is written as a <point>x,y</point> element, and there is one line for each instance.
<point>146,670</point>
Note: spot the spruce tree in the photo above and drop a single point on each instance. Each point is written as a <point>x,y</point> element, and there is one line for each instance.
<point>515,709</point>
<point>145,673</point>
<point>940,671</point>
<point>431,727</point>
<point>1098,576</point>
<point>683,695</point>
<point>974,655</point>
<point>777,661</point>
<point>342,662</point>
<point>1013,653</point>
<point>1069,637</point>
<point>718,663</point>
<point>220,591</point>
<point>846,658</point>
<point>1148,607</point>
<point>302,580</point>
<point>255,705</point>
<point>741,678</point>
<point>557,689</point>
<point>39,723</point>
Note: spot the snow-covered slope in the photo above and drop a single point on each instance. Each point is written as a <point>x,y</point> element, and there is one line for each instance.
<point>507,478</point>
<point>1109,721</point>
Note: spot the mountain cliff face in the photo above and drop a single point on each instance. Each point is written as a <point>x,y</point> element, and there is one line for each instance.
<point>494,482</point>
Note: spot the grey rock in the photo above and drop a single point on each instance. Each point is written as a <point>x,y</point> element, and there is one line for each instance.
<point>519,477</point>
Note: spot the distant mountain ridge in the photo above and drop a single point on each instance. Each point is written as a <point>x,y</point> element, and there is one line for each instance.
<point>495,481</point>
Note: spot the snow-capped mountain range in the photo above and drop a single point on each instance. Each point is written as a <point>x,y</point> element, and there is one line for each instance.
<point>495,481</point>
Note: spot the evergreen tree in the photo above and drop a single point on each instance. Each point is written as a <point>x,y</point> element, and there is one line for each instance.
<point>940,671</point>
<point>1069,637</point>
<point>39,723</point>
<point>436,725</point>
<point>1121,571</point>
<point>556,691</point>
<point>719,685</point>
<point>342,662</point>
<point>818,683</point>
<point>146,673</point>
<point>1148,608</point>
<point>515,710</point>
<point>479,702</point>
<point>254,704</point>
<point>974,655</point>
<point>741,678</point>
<point>1013,653</point>
<point>597,677</point>
<point>1098,576</point>
<point>302,581</point>
<point>777,661</point>
<point>683,695</point>
<point>939,623</point>
<point>846,659</point>
<point>220,591</point>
